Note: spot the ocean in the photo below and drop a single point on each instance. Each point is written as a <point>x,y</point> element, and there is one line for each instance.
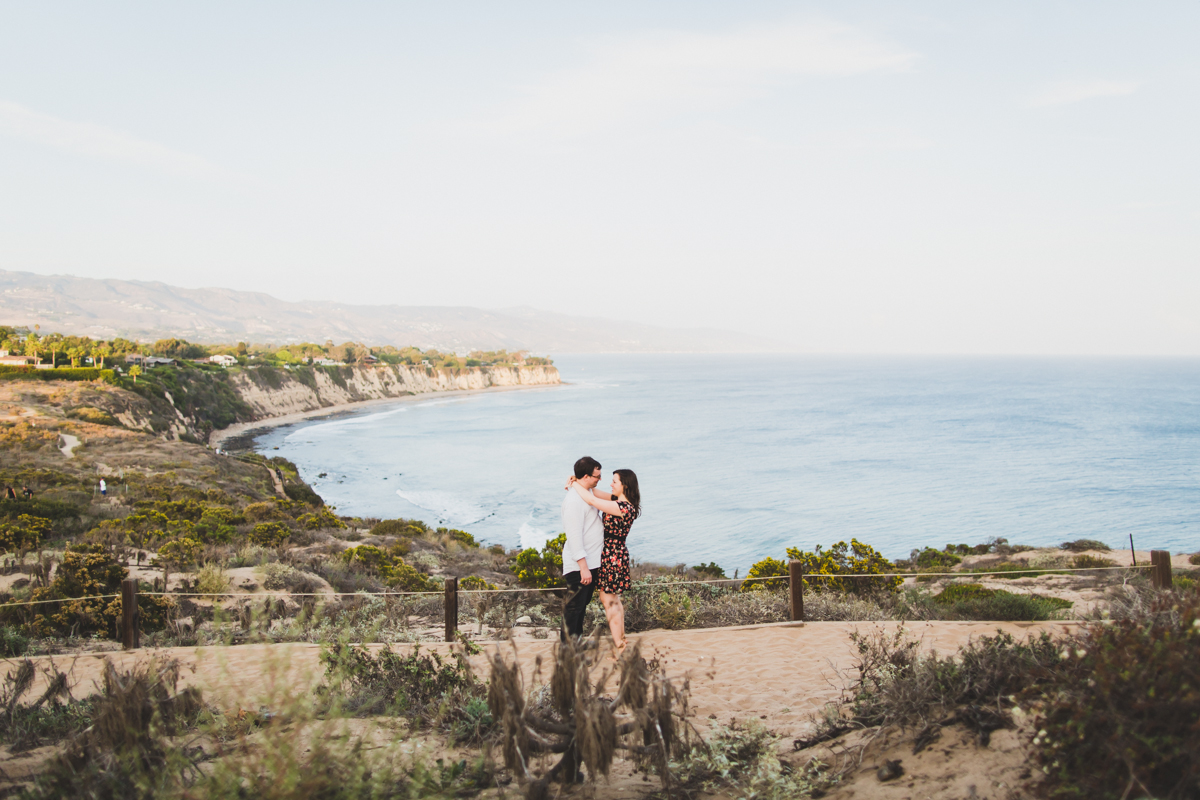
<point>741,456</point>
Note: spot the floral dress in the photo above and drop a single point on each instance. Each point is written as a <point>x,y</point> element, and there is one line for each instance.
<point>614,558</point>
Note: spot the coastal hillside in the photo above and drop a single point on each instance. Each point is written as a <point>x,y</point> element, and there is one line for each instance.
<point>189,402</point>
<point>271,392</point>
<point>106,309</point>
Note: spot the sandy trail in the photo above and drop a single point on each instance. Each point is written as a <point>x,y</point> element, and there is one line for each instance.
<point>69,444</point>
<point>779,673</point>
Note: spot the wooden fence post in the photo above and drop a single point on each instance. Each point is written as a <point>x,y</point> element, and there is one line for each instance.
<point>451,608</point>
<point>796,584</point>
<point>1160,569</point>
<point>129,615</point>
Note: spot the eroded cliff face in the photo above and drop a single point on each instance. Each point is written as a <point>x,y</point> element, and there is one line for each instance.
<point>272,392</point>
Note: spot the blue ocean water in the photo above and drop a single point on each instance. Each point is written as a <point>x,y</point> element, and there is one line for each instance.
<point>740,457</point>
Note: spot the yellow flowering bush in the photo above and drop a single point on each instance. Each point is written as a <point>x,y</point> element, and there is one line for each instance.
<point>855,558</point>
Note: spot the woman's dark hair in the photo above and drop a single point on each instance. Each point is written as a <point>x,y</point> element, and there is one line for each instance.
<point>629,481</point>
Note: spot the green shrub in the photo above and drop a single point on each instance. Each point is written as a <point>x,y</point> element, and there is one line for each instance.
<point>1085,561</point>
<point>94,415</point>
<point>740,761</point>
<point>710,571</point>
<point>930,558</point>
<point>269,534</point>
<point>324,518</point>
<point>462,537</point>
<point>973,601</point>
<point>1081,545</point>
<point>30,725</point>
<point>842,559</point>
<point>186,509</point>
<point>85,575</point>
<point>367,557</point>
<point>62,374</point>
<point>406,578</point>
<point>1121,708</point>
<point>128,751</point>
<point>1194,559</point>
<point>13,643</point>
<point>400,527</point>
<point>259,512</point>
<point>283,577</point>
<point>670,607</point>
<point>216,525</point>
<point>898,684</point>
<point>474,582</point>
<point>55,510</point>
<point>388,564</point>
<point>212,579</point>
<point>541,570</point>
<point>23,534</point>
<point>421,686</point>
<point>303,493</point>
<point>180,553</point>
<point>759,576</point>
<point>957,592</point>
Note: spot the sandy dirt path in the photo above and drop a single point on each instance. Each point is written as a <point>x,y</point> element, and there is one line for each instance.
<point>69,444</point>
<point>780,673</point>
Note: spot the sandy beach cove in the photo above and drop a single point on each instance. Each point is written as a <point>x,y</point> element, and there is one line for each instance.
<point>240,429</point>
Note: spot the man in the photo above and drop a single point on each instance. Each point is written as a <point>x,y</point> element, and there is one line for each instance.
<point>581,553</point>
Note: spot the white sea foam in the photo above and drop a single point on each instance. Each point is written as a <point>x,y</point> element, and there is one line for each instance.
<point>448,507</point>
<point>445,401</point>
<point>529,536</point>
<point>326,427</point>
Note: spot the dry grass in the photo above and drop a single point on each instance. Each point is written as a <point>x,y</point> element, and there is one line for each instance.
<point>646,717</point>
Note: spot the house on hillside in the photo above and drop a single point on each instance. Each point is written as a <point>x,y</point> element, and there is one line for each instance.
<point>223,360</point>
<point>148,361</point>
<point>325,362</point>
<point>14,360</point>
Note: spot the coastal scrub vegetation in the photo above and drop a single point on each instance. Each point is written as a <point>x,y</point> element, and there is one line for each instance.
<point>1108,712</point>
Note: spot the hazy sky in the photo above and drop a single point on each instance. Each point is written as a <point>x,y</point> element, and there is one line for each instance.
<point>849,177</point>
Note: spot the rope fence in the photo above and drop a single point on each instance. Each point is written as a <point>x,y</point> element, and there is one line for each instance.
<point>1160,566</point>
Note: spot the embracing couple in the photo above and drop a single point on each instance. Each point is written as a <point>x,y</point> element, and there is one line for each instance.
<point>595,556</point>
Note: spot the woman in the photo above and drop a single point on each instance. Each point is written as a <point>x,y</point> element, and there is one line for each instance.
<point>621,505</point>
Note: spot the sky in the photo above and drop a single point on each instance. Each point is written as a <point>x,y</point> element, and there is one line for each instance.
<point>851,177</point>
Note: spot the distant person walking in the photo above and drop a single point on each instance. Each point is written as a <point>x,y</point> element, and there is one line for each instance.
<point>9,494</point>
<point>581,553</point>
<point>103,488</point>
<point>27,493</point>
<point>621,505</point>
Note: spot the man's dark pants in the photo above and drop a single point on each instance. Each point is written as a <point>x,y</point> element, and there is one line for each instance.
<point>578,597</point>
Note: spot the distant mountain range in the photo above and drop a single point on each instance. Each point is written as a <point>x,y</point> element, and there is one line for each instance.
<point>104,309</point>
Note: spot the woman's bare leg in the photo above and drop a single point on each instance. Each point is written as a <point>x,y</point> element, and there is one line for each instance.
<point>614,611</point>
<point>616,623</point>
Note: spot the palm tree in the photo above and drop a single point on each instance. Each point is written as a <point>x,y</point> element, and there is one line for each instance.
<point>31,347</point>
<point>53,341</point>
<point>135,370</point>
<point>102,352</point>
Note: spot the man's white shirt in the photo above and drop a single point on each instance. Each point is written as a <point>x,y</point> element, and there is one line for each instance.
<point>585,533</point>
